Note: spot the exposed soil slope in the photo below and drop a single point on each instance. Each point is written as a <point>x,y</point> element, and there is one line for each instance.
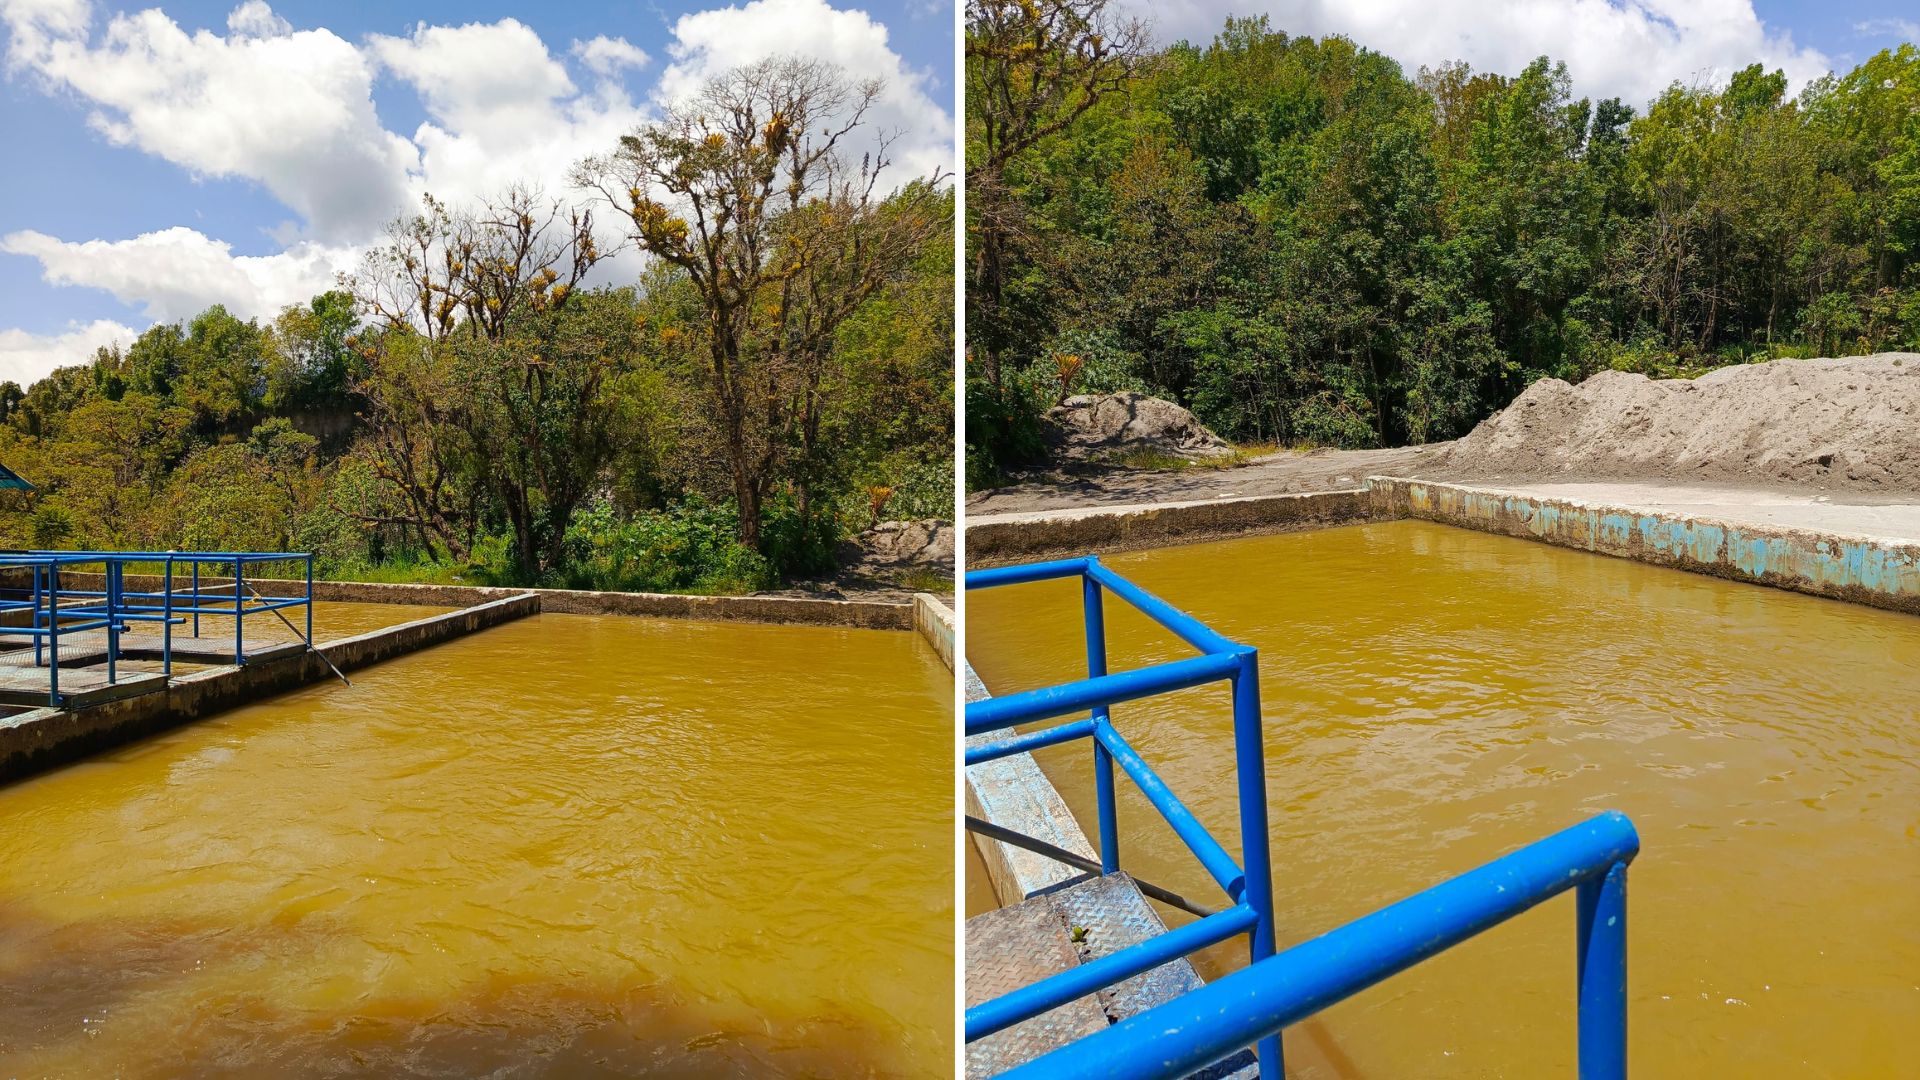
<point>1849,424</point>
<point>1276,474</point>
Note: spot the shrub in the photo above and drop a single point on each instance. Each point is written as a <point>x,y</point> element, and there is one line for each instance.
<point>798,547</point>
<point>1004,429</point>
<point>923,490</point>
<point>690,547</point>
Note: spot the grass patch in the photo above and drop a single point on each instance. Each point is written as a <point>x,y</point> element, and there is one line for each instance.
<point>413,573</point>
<point>926,581</point>
<point>1155,459</point>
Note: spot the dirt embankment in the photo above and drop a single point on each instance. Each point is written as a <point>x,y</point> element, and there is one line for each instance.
<point>889,562</point>
<point>1282,473</point>
<point>1849,425</point>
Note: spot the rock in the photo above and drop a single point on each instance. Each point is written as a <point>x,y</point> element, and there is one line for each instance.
<point>1090,426</point>
<point>893,546</point>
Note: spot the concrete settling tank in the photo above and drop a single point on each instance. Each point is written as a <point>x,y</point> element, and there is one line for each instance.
<point>569,845</point>
<point>1435,698</point>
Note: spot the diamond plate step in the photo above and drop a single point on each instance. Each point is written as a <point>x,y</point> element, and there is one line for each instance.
<point>1017,946</point>
<point>1020,945</point>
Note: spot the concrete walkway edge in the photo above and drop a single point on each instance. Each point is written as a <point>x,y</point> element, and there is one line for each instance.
<point>35,740</point>
<point>1882,573</point>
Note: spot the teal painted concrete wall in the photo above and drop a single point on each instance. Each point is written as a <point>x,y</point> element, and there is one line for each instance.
<point>1850,568</point>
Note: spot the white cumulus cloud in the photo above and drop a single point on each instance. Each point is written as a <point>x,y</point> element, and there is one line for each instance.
<point>607,57</point>
<point>501,110</point>
<point>255,19</point>
<point>710,43</point>
<point>26,357</point>
<point>174,273</point>
<point>491,79</point>
<point>34,25</point>
<point>1631,49</point>
<point>293,110</point>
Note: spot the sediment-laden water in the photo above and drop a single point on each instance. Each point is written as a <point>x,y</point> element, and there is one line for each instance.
<point>568,846</point>
<point>1435,698</point>
<point>332,620</point>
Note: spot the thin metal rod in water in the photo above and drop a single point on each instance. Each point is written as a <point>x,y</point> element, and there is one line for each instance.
<point>306,641</point>
<point>1058,854</point>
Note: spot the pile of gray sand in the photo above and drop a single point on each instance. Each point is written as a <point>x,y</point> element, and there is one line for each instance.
<point>1849,424</point>
<point>1089,427</point>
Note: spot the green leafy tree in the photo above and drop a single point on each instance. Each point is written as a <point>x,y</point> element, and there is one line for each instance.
<point>746,192</point>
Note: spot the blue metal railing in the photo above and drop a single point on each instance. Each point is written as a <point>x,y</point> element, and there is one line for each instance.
<point>1250,888</point>
<point>1253,1005</point>
<point>53,611</point>
<point>1215,1021</point>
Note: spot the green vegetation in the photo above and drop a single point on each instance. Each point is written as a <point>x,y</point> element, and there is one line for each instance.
<point>1304,245</point>
<point>469,408</point>
<point>1146,457</point>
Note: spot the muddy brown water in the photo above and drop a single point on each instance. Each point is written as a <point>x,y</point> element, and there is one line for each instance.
<point>1436,698</point>
<point>566,846</point>
<point>980,896</point>
<point>332,620</point>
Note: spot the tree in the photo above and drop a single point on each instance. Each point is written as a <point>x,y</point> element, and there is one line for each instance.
<point>313,362</point>
<point>1033,67</point>
<point>476,388</point>
<point>157,358</point>
<point>745,190</point>
<point>226,363</point>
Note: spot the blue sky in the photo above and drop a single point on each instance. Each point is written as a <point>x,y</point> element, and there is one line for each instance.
<point>146,177</point>
<point>1847,32</point>
<point>244,154</point>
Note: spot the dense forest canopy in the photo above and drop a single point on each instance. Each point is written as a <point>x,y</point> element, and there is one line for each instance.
<point>1305,245</point>
<point>467,407</point>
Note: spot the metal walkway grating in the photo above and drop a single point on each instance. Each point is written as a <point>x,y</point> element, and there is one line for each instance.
<point>1020,945</point>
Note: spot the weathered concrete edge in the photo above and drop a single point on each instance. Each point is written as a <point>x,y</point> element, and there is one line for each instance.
<point>797,610</point>
<point>934,621</point>
<point>997,539</point>
<point>42,738</point>
<point>1013,793</point>
<point>1877,573</point>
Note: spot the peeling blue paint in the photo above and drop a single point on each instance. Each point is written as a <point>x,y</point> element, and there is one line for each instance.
<point>1884,574</point>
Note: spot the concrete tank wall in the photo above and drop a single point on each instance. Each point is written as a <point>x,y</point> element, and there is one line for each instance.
<point>1877,572</point>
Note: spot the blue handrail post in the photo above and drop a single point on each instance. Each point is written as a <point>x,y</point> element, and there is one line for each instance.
<point>309,601</point>
<point>113,620</point>
<point>38,659</point>
<point>1601,963</point>
<point>196,598</point>
<point>1096,626</point>
<point>1251,771</point>
<point>53,636</point>
<point>239,616</point>
<point>166,618</point>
